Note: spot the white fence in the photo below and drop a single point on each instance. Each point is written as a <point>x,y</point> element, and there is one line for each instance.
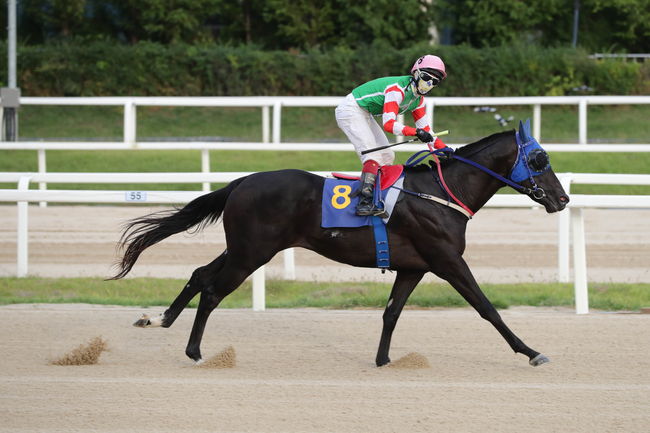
<point>569,223</point>
<point>272,131</point>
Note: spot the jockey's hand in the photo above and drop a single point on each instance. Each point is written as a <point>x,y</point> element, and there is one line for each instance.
<point>423,135</point>
<point>438,144</point>
<point>442,150</point>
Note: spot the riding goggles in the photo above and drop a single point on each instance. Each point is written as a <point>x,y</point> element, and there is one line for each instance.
<point>431,79</point>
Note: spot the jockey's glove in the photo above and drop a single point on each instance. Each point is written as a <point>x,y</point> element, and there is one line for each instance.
<point>423,135</point>
<point>439,144</point>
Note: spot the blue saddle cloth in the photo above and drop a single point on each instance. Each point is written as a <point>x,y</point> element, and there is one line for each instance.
<point>339,209</point>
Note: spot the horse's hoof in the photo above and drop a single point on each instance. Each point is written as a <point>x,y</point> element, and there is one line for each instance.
<point>150,322</point>
<point>539,360</point>
<point>382,362</point>
<point>143,321</point>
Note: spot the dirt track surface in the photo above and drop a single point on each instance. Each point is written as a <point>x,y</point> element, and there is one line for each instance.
<point>513,245</point>
<point>312,371</point>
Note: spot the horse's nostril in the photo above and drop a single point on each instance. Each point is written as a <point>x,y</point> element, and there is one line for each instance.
<point>564,199</point>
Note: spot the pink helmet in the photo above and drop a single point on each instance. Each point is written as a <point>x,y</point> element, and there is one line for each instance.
<point>430,62</point>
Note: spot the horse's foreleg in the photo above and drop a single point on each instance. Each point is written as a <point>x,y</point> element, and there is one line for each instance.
<point>405,282</point>
<point>193,286</point>
<point>458,274</point>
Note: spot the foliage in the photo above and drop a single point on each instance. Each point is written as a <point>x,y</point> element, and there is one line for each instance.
<point>612,25</point>
<point>58,16</point>
<point>164,21</point>
<point>79,67</point>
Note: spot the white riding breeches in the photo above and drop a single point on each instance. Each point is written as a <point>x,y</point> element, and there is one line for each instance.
<point>363,131</point>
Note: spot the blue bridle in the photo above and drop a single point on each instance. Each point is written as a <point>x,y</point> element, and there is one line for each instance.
<point>532,160</point>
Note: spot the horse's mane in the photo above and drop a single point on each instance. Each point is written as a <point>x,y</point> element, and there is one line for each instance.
<point>477,146</point>
<point>467,150</point>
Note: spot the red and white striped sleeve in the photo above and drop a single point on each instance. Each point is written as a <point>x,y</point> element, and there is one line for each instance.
<point>393,95</point>
<point>419,115</point>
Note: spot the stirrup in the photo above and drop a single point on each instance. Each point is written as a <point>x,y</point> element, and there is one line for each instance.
<point>367,208</point>
<point>381,213</point>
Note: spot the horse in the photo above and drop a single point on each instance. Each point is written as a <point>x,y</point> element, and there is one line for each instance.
<point>266,212</point>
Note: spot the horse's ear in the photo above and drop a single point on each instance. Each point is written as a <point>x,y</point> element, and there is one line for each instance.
<point>524,130</point>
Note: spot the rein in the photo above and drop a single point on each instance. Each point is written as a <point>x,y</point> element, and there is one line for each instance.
<point>416,159</point>
<point>522,189</point>
<point>447,152</point>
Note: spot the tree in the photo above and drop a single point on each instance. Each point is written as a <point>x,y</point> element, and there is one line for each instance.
<point>604,24</point>
<point>166,21</point>
<point>56,17</point>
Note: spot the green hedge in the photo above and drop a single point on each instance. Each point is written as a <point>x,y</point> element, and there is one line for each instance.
<point>104,68</point>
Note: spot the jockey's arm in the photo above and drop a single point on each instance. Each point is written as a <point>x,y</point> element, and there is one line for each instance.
<point>393,96</point>
<point>420,118</point>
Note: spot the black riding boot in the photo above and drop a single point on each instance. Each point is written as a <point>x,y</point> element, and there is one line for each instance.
<point>366,206</point>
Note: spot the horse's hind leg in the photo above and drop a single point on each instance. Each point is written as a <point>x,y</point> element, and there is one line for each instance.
<point>221,285</point>
<point>405,282</point>
<point>197,282</point>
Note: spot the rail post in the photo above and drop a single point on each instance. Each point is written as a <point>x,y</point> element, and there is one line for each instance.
<point>22,230</point>
<point>289,264</point>
<point>129,123</point>
<point>259,290</point>
<point>266,125</point>
<point>579,261</point>
<point>563,233</point>
<point>582,121</point>
<point>42,168</point>
<point>205,167</point>
<point>277,121</point>
<point>537,121</point>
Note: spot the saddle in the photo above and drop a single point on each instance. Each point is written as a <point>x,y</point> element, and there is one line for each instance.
<point>388,176</point>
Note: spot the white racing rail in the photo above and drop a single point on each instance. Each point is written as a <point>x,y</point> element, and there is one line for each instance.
<point>272,130</point>
<point>570,223</point>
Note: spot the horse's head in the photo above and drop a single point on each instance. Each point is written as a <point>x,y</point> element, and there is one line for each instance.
<point>532,170</point>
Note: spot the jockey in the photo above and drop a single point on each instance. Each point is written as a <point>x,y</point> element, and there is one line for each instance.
<point>387,97</point>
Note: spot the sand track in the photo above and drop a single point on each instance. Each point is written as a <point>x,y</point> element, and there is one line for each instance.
<point>312,371</point>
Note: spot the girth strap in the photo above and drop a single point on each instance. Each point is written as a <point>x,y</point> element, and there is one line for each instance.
<point>381,243</point>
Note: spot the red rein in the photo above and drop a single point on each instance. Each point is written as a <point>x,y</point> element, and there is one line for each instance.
<point>442,180</point>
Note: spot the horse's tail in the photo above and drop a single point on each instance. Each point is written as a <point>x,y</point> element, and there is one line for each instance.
<point>141,233</point>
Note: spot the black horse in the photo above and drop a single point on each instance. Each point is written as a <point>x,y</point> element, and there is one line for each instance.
<point>267,212</point>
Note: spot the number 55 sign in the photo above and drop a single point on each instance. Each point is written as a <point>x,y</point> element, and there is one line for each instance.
<point>138,196</point>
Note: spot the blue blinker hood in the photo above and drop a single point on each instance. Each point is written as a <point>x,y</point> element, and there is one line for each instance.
<point>530,151</point>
